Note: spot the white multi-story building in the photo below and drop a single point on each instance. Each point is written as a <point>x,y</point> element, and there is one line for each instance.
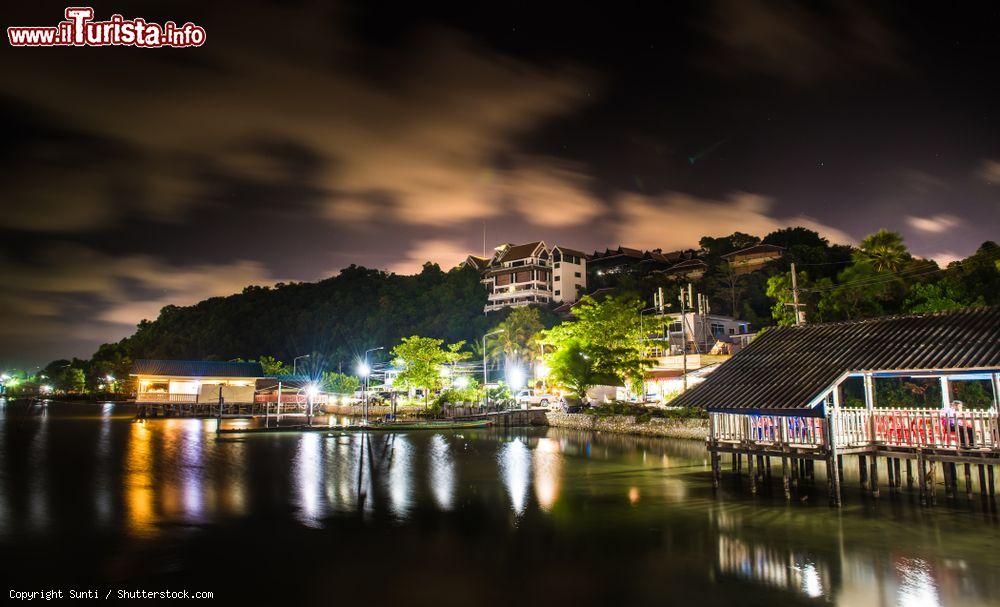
<point>532,273</point>
<point>569,274</point>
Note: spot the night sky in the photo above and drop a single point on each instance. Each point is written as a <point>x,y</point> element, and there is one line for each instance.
<point>304,137</point>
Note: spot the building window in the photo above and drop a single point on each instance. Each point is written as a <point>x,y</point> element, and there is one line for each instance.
<point>577,274</point>
<point>557,292</point>
<point>557,278</point>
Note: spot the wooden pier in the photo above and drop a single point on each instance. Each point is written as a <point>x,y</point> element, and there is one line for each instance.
<point>920,443</point>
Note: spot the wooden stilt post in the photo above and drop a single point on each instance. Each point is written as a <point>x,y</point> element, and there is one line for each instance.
<point>989,476</point>
<point>968,481</point>
<point>909,474</point>
<point>931,480</point>
<point>863,472</point>
<point>890,476</point>
<point>832,467</point>
<point>795,472</point>
<point>982,480</point>
<point>946,472</point>
<point>785,481</point>
<point>751,473</point>
<point>874,478</point>
<point>713,452</point>
<point>899,478</point>
<point>922,478</point>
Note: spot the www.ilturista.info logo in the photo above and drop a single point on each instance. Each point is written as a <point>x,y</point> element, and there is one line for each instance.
<point>80,29</point>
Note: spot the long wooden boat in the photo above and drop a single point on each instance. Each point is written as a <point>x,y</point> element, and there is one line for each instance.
<point>382,427</point>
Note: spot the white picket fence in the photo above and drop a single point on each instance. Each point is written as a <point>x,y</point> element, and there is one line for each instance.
<point>861,427</point>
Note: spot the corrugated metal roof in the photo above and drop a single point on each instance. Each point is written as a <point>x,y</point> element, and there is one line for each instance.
<point>788,367</point>
<point>197,368</point>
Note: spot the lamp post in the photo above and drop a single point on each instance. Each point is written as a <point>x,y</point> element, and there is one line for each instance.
<point>366,372</point>
<point>486,397</point>
<point>295,362</point>
<point>311,391</point>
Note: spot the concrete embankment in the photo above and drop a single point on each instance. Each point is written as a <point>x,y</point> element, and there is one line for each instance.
<point>627,424</point>
<point>621,424</point>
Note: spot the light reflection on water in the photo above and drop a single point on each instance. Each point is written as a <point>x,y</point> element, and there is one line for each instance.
<point>149,480</point>
<point>515,468</point>
<point>442,472</point>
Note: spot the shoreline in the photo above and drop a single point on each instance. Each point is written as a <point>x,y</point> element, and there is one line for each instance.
<point>693,429</point>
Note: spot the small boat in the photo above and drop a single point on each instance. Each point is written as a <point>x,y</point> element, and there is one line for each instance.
<point>376,427</point>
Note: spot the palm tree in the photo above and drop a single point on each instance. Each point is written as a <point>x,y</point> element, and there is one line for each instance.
<point>518,340</point>
<point>884,250</point>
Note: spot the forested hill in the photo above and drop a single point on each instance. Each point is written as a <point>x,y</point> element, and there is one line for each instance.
<point>340,317</point>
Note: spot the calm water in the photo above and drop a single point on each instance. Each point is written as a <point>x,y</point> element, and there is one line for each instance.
<point>90,499</point>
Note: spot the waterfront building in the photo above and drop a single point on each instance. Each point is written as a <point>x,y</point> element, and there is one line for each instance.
<point>195,387</point>
<point>784,396</point>
<point>195,381</point>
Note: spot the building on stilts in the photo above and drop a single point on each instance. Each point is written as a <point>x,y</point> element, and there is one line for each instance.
<point>887,390</point>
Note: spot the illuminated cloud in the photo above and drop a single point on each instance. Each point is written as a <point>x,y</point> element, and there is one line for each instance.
<point>423,139</point>
<point>675,220</point>
<point>445,253</point>
<point>551,194</point>
<point>990,172</point>
<point>936,224</point>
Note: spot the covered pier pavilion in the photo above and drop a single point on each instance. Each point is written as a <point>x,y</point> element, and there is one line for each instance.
<point>783,398</point>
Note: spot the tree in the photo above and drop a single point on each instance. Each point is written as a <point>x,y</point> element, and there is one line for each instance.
<point>519,334</point>
<point>610,333</point>
<point>70,379</point>
<point>884,250</point>
<point>339,383</point>
<point>273,367</point>
<point>421,361</point>
<point>572,367</point>
<point>937,297</point>
<point>730,279</point>
<point>779,288</point>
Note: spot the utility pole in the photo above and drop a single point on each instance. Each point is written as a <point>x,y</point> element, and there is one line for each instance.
<point>684,357</point>
<point>795,296</point>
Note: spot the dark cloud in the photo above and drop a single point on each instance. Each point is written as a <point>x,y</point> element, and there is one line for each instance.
<point>805,42</point>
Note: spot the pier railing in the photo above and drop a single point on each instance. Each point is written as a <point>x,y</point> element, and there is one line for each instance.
<point>936,428</point>
<point>929,428</point>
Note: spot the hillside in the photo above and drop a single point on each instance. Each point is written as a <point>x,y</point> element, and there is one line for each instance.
<point>339,317</point>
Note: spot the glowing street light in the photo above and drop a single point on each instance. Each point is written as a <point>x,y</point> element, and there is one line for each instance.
<point>515,378</point>
<point>461,382</point>
<point>110,378</point>
<point>311,391</point>
<point>365,371</point>
<point>542,370</point>
<point>45,389</point>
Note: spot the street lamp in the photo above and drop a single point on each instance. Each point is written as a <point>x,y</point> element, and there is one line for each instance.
<point>486,397</point>
<point>311,391</point>
<point>295,362</point>
<point>365,371</point>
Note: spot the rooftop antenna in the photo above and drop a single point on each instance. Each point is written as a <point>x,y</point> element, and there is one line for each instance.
<point>484,239</point>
